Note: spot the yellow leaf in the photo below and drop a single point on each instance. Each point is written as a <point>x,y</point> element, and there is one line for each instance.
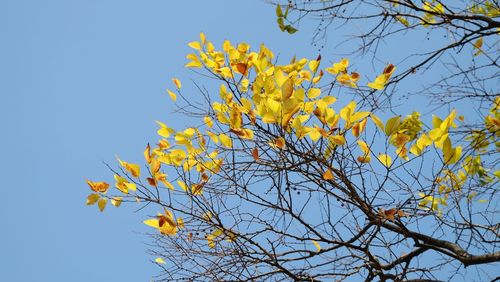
<point>169,185</point>
<point>403,20</point>
<point>273,105</point>
<point>244,133</point>
<point>235,117</point>
<point>116,201</point>
<point>347,111</point>
<point>211,241</point>
<point>102,204</point>
<point>451,155</point>
<point>177,83</point>
<point>328,100</point>
<point>386,160</point>
<point>339,67</point>
<point>134,169</point>
<point>226,140</point>
<point>381,80</point>
<point>203,38</point>
<point>305,75</point>
<point>363,146</point>
<point>153,222</point>
<point>436,134</point>
<point>194,63</point>
<point>314,133</point>
<point>207,216</point>
<point>392,125</point>
<point>172,95</point>
<point>92,199</point>
<point>477,45</point>
<point>147,154</point>
<point>213,136</point>
<point>287,89</point>
<point>399,139</point>
<point>337,139</point>
<point>328,175</point>
<point>358,128</point>
<point>313,65</point>
<point>164,131</point>
<point>378,83</point>
<point>442,141</point>
<point>378,122</point>
<point>160,260</point>
<point>422,142</point>
<point>182,185</point>
<point>120,183</point>
<point>348,79</point>
<point>180,222</point>
<point>316,244</point>
<point>313,93</point>
<point>280,78</point>
<point>195,45</point>
<point>358,115</point>
<point>366,152</point>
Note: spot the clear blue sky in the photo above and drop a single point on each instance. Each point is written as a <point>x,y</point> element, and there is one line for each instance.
<point>81,81</point>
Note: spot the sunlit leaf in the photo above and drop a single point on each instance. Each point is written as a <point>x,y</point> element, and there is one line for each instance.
<point>164,131</point>
<point>177,83</point>
<point>316,244</point>
<point>328,175</point>
<point>378,122</point>
<point>98,186</point>
<point>92,199</point>
<point>134,169</point>
<point>172,95</point>
<point>147,154</point>
<point>478,44</point>
<point>208,121</point>
<point>339,67</point>
<point>386,160</point>
<point>195,45</point>
<point>313,93</point>
<point>160,261</point>
<point>102,204</point>
<point>225,140</point>
<point>116,201</point>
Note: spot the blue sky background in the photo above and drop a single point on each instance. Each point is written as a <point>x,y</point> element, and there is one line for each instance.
<point>81,82</point>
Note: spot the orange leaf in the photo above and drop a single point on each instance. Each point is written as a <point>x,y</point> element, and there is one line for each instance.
<point>151,181</point>
<point>197,189</point>
<point>389,69</point>
<point>241,68</point>
<point>98,186</point>
<point>147,154</point>
<point>177,83</point>
<point>280,143</point>
<point>328,175</point>
<point>391,214</point>
<point>255,154</point>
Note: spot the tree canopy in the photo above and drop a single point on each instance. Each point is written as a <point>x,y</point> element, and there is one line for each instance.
<point>306,169</point>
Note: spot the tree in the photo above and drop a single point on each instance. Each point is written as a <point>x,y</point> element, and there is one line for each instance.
<point>449,26</point>
<point>297,171</point>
